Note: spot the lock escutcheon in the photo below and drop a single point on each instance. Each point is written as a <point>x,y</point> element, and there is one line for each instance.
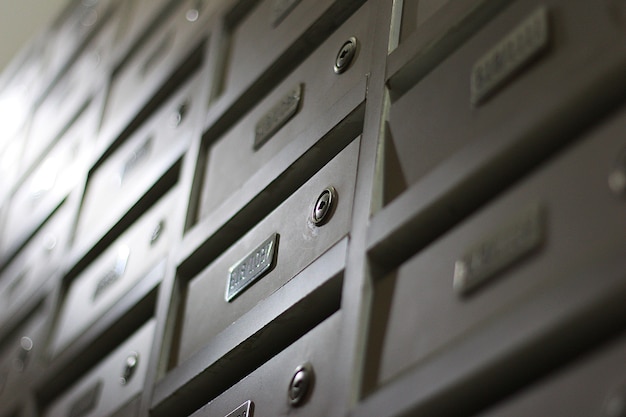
<point>345,56</point>
<point>301,384</point>
<point>324,206</point>
<point>130,366</point>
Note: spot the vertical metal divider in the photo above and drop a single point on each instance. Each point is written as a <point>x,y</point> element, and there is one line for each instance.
<point>167,292</point>
<point>357,285</point>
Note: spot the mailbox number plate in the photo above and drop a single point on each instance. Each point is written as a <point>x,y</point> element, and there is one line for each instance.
<point>252,267</point>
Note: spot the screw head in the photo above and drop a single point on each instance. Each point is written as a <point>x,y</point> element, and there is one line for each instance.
<point>345,55</point>
<point>324,206</point>
<point>300,385</point>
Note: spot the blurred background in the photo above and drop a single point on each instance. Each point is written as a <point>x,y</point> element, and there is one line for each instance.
<point>22,20</point>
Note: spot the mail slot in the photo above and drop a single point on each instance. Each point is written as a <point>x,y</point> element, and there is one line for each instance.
<point>520,56</point>
<point>69,96</point>
<point>124,177</point>
<point>151,65</point>
<point>558,222</point>
<point>314,90</point>
<point>52,179</point>
<point>302,380</point>
<point>592,386</point>
<point>34,264</point>
<point>270,254</point>
<point>113,383</point>
<point>19,356</point>
<point>262,31</point>
<point>116,271</point>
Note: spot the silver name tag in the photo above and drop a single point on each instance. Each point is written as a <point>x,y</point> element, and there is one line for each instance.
<point>277,116</point>
<point>489,257</point>
<point>244,410</point>
<point>252,267</point>
<point>505,59</point>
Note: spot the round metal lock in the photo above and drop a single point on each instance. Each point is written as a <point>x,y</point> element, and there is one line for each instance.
<point>156,233</point>
<point>301,384</point>
<point>178,116</point>
<point>26,345</point>
<point>324,206</point>
<point>617,177</point>
<point>345,55</point>
<point>130,366</point>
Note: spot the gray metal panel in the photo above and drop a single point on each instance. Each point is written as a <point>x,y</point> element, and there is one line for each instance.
<point>38,262</point>
<point>591,386</point>
<point>322,90</point>
<point>127,174</point>
<point>267,387</point>
<point>581,221</point>
<point>426,106</point>
<point>116,271</point>
<point>20,357</point>
<point>151,65</point>
<point>58,173</point>
<point>101,392</point>
<point>300,242</point>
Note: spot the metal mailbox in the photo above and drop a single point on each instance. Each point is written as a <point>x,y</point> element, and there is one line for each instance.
<point>116,271</point>
<point>35,264</point>
<point>150,66</point>
<point>259,36</point>
<point>19,356</point>
<point>592,386</point>
<point>127,174</point>
<point>314,89</point>
<point>562,219</point>
<point>416,13</point>
<point>301,229</point>
<point>115,381</point>
<point>69,96</point>
<point>521,57</point>
<point>52,180</point>
<point>302,380</point>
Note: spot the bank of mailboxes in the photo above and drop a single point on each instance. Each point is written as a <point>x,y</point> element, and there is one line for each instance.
<point>307,224</point>
<point>112,383</point>
<point>524,54</point>
<point>308,95</point>
<point>154,62</point>
<point>70,95</point>
<point>20,356</point>
<point>301,378</point>
<point>494,119</point>
<point>114,273</point>
<point>51,180</point>
<point>126,175</point>
<point>35,264</point>
<point>557,222</point>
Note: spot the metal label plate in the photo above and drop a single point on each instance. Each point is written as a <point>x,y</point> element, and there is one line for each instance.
<point>252,267</point>
<point>277,116</point>
<point>522,45</point>
<point>495,253</point>
<point>244,410</point>
<point>113,274</point>
<point>281,9</point>
<point>86,402</point>
<point>135,159</point>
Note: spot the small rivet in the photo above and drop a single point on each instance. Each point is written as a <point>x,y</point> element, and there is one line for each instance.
<point>300,385</point>
<point>324,206</point>
<point>130,366</point>
<point>156,233</point>
<point>345,55</point>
